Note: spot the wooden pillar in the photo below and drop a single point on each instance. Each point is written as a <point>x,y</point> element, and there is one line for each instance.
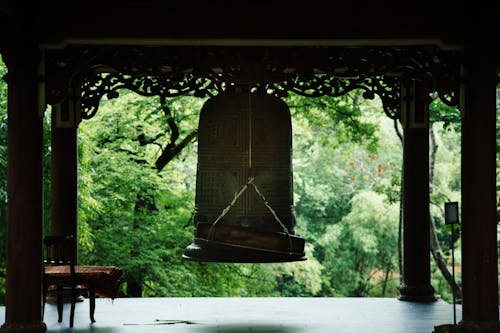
<point>416,284</point>
<point>64,187</point>
<point>24,185</point>
<point>479,215</point>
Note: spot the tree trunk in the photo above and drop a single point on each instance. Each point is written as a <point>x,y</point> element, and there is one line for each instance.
<point>437,254</point>
<point>386,279</point>
<point>400,222</point>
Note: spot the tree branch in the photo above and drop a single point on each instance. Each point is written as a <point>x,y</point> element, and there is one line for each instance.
<point>172,150</point>
<point>145,141</point>
<point>434,148</point>
<point>174,130</point>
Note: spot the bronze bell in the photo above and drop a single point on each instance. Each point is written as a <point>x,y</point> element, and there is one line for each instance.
<point>244,189</point>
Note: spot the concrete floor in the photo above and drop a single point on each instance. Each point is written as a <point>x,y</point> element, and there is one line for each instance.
<point>253,315</point>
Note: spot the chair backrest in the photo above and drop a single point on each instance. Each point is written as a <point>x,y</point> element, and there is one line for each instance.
<point>60,251</point>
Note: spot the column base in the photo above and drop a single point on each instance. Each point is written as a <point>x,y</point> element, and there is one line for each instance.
<point>479,327</point>
<point>469,327</point>
<point>38,327</point>
<point>446,328</point>
<point>412,293</point>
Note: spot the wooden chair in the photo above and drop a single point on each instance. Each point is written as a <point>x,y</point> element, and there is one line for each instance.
<point>59,271</point>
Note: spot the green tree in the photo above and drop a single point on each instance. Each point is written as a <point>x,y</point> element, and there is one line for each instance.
<point>332,163</point>
<point>142,168</point>
<point>3,178</point>
<point>138,203</point>
<point>362,245</point>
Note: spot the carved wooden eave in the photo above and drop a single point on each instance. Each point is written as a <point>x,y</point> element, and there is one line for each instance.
<point>201,71</point>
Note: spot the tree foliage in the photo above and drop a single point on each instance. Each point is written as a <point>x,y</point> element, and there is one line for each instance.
<point>137,171</point>
<point>143,221</point>
<point>3,179</point>
<point>361,245</point>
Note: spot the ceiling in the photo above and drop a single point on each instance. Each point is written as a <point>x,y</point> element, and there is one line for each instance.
<point>218,22</point>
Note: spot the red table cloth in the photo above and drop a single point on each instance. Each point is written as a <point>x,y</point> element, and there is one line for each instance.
<point>105,279</point>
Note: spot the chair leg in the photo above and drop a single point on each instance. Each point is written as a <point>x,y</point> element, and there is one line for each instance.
<point>73,303</point>
<point>92,303</point>
<point>44,299</point>
<point>59,303</point>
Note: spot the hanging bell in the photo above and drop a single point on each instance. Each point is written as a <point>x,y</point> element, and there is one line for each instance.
<point>244,184</point>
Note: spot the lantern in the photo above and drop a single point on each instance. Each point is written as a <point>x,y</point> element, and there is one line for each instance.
<point>244,183</point>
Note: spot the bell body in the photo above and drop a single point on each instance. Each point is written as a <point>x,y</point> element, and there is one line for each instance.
<point>242,136</point>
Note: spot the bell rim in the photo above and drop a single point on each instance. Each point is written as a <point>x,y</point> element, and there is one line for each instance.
<point>218,252</point>
<point>268,240</point>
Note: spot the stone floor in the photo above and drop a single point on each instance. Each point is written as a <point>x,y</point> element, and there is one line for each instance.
<point>253,315</point>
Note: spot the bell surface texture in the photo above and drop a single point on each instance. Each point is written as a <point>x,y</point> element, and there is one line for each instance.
<point>244,170</point>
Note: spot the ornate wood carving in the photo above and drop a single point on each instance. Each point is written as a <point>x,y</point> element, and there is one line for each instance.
<point>206,71</point>
<point>97,85</point>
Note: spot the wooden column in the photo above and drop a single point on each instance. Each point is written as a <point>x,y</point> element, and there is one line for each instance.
<point>479,215</point>
<point>24,185</point>
<point>64,169</point>
<point>416,284</point>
